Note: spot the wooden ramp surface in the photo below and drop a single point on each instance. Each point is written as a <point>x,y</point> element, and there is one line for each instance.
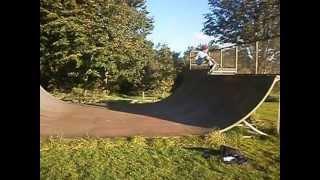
<point>198,104</point>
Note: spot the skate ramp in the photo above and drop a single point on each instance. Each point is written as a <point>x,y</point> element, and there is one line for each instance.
<point>199,104</point>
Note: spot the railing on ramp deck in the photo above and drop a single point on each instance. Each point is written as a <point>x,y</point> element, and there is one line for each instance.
<point>260,57</point>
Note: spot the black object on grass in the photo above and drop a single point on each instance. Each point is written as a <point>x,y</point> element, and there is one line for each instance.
<point>231,155</point>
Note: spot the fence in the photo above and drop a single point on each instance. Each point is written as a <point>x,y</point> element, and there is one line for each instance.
<point>261,57</point>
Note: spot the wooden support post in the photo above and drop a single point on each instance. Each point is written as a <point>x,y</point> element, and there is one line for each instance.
<point>142,95</point>
<point>236,59</point>
<point>190,60</point>
<point>278,127</point>
<point>257,55</point>
<point>221,59</point>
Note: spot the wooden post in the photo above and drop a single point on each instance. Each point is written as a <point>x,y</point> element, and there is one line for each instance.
<point>257,55</point>
<point>142,95</point>
<point>278,127</point>
<point>221,59</point>
<point>236,59</point>
<point>190,60</point>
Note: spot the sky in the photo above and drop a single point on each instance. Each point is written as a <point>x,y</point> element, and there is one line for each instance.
<point>178,23</point>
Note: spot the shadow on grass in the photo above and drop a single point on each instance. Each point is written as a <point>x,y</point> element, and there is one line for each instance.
<point>270,131</point>
<point>206,152</point>
<point>119,102</point>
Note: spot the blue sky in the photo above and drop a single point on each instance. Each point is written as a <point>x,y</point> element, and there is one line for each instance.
<point>178,23</point>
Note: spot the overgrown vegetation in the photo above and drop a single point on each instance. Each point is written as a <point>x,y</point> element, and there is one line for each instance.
<point>242,21</point>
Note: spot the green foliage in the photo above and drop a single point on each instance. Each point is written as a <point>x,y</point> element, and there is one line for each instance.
<point>81,41</point>
<point>239,21</point>
<point>101,44</point>
<point>161,72</point>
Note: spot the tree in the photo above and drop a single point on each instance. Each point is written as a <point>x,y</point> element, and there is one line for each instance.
<point>241,21</point>
<point>179,63</point>
<point>161,71</point>
<point>81,41</point>
<point>102,44</point>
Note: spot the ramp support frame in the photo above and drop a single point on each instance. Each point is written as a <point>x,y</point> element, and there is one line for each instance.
<point>255,129</point>
<point>278,124</point>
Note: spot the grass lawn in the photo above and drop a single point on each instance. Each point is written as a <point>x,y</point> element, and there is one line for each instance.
<point>166,158</point>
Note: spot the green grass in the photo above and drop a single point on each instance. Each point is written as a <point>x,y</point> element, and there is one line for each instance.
<point>165,158</point>
<point>100,98</point>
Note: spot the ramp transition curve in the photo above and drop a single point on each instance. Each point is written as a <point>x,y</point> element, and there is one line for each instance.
<point>198,105</point>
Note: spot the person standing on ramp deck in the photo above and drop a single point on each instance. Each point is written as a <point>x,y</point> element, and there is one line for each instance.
<point>203,56</point>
